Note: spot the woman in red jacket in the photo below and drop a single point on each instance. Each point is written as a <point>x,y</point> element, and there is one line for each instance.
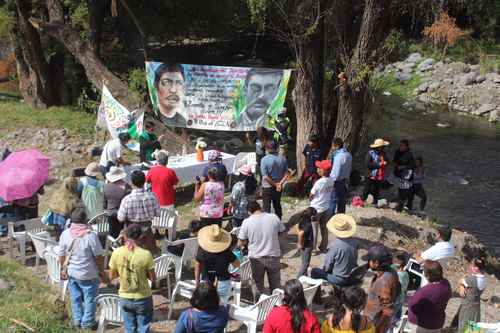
<point>293,315</point>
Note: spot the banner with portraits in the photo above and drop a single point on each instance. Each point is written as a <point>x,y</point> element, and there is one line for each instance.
<point>216,97</point>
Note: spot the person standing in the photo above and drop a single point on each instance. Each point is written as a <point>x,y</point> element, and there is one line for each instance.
<point>305,243</point>
<point>320,196</point>
<point>383,295</point>
<point>243,192</point>
<point>341,171</point>
<point>27,208</point>
<point>292,316</point>
<point>403,158</point>
<point>261,232</point>
<point>140,207</point>
<point>148,142</point>
<point>112,153</point>
<point>263,137</point>
<point>211,196</point>
<point>427,307</point>
<point>213,259</point>
<point>92,190</point>
<point>80,251</point>
<point>417,188</point>
<point>342,255</point>
<point>114,192</point>
<point>215,161</point>
<point>134,266</point>
<point>376,161</point>
<point>163,181</point>
<point>274,170</point>
<point>312,154</point>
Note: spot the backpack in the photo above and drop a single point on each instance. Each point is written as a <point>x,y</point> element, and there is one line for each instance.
<point>92,197</point>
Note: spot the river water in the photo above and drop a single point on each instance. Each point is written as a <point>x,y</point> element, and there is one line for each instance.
<point>462,164</point>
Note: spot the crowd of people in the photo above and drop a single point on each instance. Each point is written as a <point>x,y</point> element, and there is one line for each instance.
<point>130,202</point>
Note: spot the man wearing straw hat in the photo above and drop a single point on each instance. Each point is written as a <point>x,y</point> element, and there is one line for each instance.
<point>213,259</point>
<point>114,191</point>
<point>342,255</point>
<point>376,161</point>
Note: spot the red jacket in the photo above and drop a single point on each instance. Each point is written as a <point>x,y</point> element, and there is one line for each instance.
<point>280,321</point>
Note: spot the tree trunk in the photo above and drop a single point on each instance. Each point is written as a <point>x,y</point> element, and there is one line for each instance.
<point>354,96</point>
<point>35,82</point>
<point>97,73</point>
<point>96,19</point>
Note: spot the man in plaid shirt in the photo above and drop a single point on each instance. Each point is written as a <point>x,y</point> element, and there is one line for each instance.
<point>139,207</point>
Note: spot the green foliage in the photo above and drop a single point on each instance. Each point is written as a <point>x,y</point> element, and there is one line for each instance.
<point>86,103</point>
<point>362,74</point>
<point>396,46</point>
<point>258,13</point>
<point>30,301</point>
<point>79,16</point>
<point>137,85</point>
<point>75,120</point>
<point>7,21</point>
<point>387,82</point>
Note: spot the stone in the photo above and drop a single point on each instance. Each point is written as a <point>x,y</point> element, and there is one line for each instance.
<point>61,147</point>
<point>414,57</point>
<point>494,77</point>
<point>494,116</point>
<point>480,79</point>
<point>467,79</point>
<point>483,109</point>
<point>422,88</point>
<point>434,86</point>
<point>425,65</point>
<point>402,77</point>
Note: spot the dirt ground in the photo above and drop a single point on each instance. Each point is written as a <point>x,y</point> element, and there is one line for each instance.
<point>395,230</point>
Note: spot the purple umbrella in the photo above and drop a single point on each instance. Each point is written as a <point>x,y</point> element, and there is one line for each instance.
<point>22,173</point>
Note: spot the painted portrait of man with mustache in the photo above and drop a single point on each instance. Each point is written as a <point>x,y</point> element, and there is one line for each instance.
<point>169,84</point>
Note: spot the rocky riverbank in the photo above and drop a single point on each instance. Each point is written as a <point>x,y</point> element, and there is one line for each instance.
<point>460,86</point>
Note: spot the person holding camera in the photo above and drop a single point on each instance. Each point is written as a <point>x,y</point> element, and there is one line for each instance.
<point>210,195</point>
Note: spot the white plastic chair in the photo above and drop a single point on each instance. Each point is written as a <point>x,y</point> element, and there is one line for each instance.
<point>309,292</point>
<point>162,269</point>
<point>254,315</point>
<point>54,270</point>
<point>245,272</point>
<point>110,311</point>
<point>190,248</point>
<point>100,224</point>
<point>184,289</point>
<point>167,220</point>
<point>41,241</point>
<point>111,245</point>
<point>33,226</point>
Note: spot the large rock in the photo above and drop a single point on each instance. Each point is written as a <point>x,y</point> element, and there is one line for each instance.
<point>423,87</point>
<point>494,116</point>
<point>459,67</point>
<point>402,77</point>
<point>494,77</point>
<point>414,58</point>
<point>483,109</point>
<point>467,79</point>
<point>434,86</point>
<point>425,65</point>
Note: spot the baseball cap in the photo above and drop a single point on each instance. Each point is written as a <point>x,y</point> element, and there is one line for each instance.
<point>323,165</point>
<point>379,253</point>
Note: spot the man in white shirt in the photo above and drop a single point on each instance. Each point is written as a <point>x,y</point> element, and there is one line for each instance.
<point>320,196</point>
<point>112,153</point>
<point>443,249</point>
<point>261,232</point>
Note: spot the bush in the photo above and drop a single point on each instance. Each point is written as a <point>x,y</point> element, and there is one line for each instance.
<point>444,32</point>
<point>137,85</point>
<point>396,47</point>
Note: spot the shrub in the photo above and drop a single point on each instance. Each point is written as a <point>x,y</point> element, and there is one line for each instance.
<point>444,32</point>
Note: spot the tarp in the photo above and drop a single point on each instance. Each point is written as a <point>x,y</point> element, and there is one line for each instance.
<point>216,97</point>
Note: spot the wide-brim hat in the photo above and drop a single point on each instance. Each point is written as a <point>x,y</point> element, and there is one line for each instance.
<point>115,174</point>
<point>379,143</point>
<point>342,225</point>
<point>213,238</point>
<point>92,170</point>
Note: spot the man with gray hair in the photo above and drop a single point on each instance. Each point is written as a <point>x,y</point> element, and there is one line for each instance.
<point>163,180</point>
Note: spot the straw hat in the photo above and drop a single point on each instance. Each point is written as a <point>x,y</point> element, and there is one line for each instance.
<point>342,225</point>
<point>213,239</point>
<point>379,143</point>
<point>93,170</point>
<point>115,174</point>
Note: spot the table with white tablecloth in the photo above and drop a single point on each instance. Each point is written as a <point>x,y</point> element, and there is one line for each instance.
<point>187,167</point>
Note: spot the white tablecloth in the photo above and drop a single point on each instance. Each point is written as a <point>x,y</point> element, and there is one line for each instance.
<point>187,167</point>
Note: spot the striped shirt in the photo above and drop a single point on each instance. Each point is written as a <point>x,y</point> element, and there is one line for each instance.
<point>139,206</point>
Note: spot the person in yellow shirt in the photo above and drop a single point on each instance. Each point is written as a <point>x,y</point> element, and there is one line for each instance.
<point>134,266</point>
<point>347,317</point>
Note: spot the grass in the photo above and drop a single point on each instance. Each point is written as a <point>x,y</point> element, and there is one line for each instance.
<point>29,301</point>
<point>387,82</point>
<point>16,114</point>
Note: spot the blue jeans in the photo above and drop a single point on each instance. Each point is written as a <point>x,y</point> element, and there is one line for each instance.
<point>83,294</point>
<point>137,314</point>
<point>224,290</point>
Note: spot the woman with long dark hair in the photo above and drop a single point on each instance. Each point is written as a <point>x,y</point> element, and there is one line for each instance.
<point>210,195</point>
<point>293,316</point>
<point>242,193</point>
<point>347,317</point>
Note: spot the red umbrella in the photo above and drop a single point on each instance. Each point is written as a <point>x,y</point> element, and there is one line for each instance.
<point>22,173</point>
